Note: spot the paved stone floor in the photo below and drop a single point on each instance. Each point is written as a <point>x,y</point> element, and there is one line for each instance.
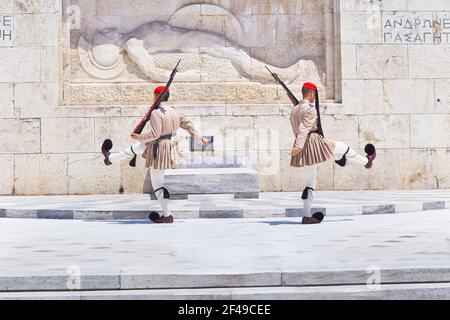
<point>413,247</point>
<point>136,206</point>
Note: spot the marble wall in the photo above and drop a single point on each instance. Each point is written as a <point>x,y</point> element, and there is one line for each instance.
<point>395,62</point>
<point>55,111</point>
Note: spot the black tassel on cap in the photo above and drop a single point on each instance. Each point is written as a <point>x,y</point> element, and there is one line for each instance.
<point>319,123</point>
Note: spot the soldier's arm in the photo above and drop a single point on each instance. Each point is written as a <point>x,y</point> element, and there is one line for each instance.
<point>187,125</point>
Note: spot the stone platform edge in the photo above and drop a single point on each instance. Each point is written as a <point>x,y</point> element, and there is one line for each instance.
<point>233,212</point>
<point>274,278</point>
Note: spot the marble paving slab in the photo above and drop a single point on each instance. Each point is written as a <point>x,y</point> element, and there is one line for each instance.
<point>288,204</point>
<point>54,255</point>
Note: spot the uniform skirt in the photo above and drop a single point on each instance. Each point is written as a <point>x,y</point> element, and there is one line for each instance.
<point>316,150</point>
<point>167,155</point>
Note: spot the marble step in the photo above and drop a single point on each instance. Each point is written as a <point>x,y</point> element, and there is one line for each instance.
<point>440,291</point>
<point>242,182</point>
<point>142,279</point>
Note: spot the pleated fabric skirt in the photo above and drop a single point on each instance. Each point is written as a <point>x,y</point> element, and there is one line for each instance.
<point>167,155</point>
<point>316,150</point>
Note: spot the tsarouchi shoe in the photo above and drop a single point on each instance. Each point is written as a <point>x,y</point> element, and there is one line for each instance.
<point>310,220</point>
<point>319,216</point>
<point>371,155</point>
<point>106,147</point>
<point>156,218</point>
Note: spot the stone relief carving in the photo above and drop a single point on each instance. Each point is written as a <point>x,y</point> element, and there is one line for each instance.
<point>107,55</point>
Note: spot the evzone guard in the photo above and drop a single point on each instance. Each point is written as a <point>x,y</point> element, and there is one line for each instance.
<point>311,148</point>
<point>158,147</point>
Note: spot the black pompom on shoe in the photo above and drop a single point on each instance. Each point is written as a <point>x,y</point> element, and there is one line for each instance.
<point>371,155</point>
<point>106,147</point>
<point>369,149</point>
<point>153,216</point>
<point>319,216</point>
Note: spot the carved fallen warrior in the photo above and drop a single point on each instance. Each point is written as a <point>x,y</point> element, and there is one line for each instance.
<point>158,147</point>
<point>311,148</point>
<point>105,52</point>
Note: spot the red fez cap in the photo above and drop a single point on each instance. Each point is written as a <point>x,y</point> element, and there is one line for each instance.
<point>310,85</point>
<point>159,90</point>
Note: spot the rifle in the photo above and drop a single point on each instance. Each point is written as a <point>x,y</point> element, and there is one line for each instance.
<point>140,127</point>
<point>291,96</point>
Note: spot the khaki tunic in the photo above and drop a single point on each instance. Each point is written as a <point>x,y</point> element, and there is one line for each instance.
<point>165,121</point>
<point>315,149</point>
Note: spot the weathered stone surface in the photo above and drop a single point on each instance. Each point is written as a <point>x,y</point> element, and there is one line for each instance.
<point>410,169</point>
<point>253,109</point>
<point>87,174</point>
<point>341,128</point>
<point>442,96</point>
<point>36,30</point>
<point>230,133</point>
<point>133,179</point>
<point>6,174</point>
<point>210,181</point>
<point>325,174</point>
<point>443,169</point>
<point>390,131</point>
<point>20,136</point>
<point>362,97</point>
<point>116,129</point>
<point>293,179</point>
<point>67,135</point>
<point>6,100</point>
<point>36,100</point>
<point>429,61</point>
<point>382,61</point>
<point>49,6</point>
<point>98,94</point>
<point>201,110</point>
<point>216,70</point>
<point>361,27</point>
<point>348,61</point>
<point>267,163</point>
<point>355,177</point>
<point>369,5</point>
<point>430,131</point>
<point>378,209</point>
<point>273,133</point>
<point>40,174</point>
<point>19,64</point>
<point>49,67</point>
<point>142,281</point>
<point>417,100</point>
<point>14,6</point>
<point>427,6</point>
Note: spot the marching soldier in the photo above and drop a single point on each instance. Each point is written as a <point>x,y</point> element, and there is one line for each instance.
<point>311,148</point>
<point>159,149</point>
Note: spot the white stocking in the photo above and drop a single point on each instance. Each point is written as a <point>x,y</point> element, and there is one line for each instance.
<point>138,149</point>
<point>352,155</point>
<point>157,177</point>
<point>310,182</point>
